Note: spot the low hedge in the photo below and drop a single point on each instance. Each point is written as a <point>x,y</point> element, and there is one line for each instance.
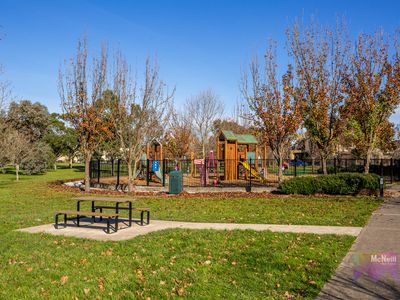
<point>335,184</point>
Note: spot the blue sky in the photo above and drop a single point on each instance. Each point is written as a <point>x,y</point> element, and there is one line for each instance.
<point>199,44</point>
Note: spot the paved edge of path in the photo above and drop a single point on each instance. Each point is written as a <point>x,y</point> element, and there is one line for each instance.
<point>381,235</point>
<point>125,233</point>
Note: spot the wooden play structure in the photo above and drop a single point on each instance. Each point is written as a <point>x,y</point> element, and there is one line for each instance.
<point>237,149</point>
<point>154,150</point>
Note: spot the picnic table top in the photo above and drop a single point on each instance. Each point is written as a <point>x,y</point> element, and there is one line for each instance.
<point>104,199</point>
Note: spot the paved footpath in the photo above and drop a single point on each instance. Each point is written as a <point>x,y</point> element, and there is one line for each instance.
<point>381,235</point>
<point>89,230</point>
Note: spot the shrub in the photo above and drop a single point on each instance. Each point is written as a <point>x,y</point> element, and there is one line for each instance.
<point>334,184</point>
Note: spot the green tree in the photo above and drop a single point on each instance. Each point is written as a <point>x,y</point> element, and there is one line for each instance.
<point>61,139</point>
<point>30,119</point>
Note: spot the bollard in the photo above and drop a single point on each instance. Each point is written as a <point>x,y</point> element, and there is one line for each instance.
<point>381,186</point>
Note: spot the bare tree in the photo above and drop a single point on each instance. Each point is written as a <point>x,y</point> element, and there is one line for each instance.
<point>16,148</point>
<point>275,106</point>
<point>204,109</point>
<point>138,110</point>
<point>80,90</point>
<point>320,57</point>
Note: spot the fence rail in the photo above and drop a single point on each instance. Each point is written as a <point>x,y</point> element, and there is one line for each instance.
<point>226,173</point>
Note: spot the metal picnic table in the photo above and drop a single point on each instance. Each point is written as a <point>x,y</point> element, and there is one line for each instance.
<point>116,201</point>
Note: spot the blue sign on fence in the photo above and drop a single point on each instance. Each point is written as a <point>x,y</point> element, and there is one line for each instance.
<point>155,165</point>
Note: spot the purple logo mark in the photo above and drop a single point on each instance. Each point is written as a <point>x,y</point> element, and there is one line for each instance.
<point>376,265</point>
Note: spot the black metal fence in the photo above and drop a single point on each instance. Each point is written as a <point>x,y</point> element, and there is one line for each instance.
<point>225,173</point>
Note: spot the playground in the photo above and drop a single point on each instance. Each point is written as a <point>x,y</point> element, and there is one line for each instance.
<point>237,160</point>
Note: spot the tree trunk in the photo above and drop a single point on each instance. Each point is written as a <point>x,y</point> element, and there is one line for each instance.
<point>55,166</point>
<point>280,165</point>
<point>324,166</point>
<point>203,148</point>
<point>88,157</point>
<point>130,177</point>
<point>17,171</point>
<point>70,163</point>
<point>367,162</point>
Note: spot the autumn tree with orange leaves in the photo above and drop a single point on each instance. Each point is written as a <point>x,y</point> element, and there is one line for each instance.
<point>372,85</point>
<point>320,56</point>
<point>80,90</point>
<point>275,109</point>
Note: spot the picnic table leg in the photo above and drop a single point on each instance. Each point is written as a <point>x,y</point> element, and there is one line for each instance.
<point>56,221</point>
<point>93,217</point>
<point>65,220</point>
<point>77,220</point>
<point>141,218</point>
<point>116,218</point>
<point>108,225</point>
<point>130,214</point>
<point>148,217</point>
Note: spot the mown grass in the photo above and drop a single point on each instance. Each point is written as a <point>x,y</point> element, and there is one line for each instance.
<point>193,264</point>
<point>196,264</point>
<point>336,211</point>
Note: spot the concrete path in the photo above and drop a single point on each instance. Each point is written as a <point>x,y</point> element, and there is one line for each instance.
<point>96,231</point>
<point>381,235</point>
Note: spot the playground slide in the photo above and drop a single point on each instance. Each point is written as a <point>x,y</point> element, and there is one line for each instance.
<point>159,175</point>
<point>253,171</point>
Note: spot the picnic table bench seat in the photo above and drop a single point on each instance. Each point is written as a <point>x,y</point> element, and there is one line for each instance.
<point>79,214</point>
<point>142,210</point>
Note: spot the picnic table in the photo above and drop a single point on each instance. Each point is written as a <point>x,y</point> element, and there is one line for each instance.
<point>104,204</point>
<point>115,201</point>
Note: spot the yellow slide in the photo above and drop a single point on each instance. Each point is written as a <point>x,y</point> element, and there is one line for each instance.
<point>253,171</point>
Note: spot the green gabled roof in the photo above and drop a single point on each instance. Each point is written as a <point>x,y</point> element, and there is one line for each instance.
<point>246,139</point>
<point>240,138</point>
<point>229,135</point>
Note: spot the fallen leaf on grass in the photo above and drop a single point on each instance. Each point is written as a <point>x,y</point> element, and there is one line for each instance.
<point>86,291</point>
<point>108,252</point>
<point>63,279</point>
<point>178,291</point>
<point>100,282</point>
<point>288,295</point>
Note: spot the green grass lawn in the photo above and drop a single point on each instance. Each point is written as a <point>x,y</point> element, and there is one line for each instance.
<point>341,211</point>
<point>197,264</point>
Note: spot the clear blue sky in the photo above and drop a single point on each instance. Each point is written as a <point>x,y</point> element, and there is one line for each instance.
<point>199,44</point>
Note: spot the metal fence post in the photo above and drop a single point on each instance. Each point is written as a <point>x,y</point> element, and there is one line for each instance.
<point>118,172</point>
<point>147,172</point>
<point>381,181</point>
<point>295,166</point>
<point>250,174</point>
<point>391,170</point>
<point>163,172</point>
<point>98,170</point>
<point>205,172</point>
<point>112,167</point>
